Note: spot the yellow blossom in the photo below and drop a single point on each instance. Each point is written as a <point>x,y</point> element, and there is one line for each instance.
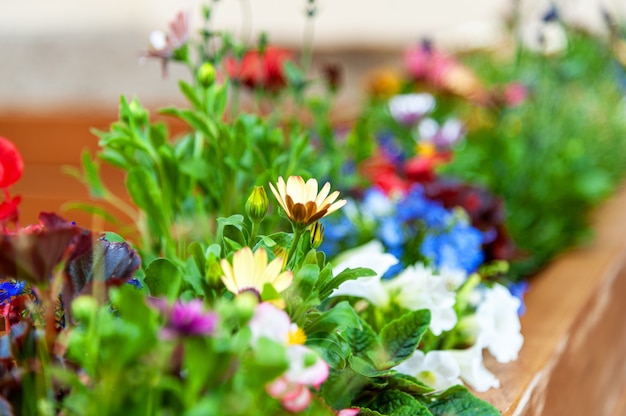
<point>251,271</point>
<point>302,202</point>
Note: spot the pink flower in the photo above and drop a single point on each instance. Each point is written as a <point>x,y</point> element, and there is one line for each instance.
<point>306,368</point>
<point>353,411</point>
<point>514,94</point>
<point>165,45</point>
<point>444,72</point>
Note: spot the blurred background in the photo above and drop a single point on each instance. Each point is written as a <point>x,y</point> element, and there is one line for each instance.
<point>81,55</point>
<point>65,63</point>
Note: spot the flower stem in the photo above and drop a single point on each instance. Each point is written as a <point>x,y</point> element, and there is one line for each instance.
<point>253,233</point>
<point>297,233</point>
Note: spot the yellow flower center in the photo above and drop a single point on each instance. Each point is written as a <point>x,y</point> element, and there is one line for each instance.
<point>426,149</point>
<point>296,336</point>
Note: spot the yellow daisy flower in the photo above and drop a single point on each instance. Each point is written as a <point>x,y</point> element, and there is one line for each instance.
<point>250,271</point>
<point>302,202</point>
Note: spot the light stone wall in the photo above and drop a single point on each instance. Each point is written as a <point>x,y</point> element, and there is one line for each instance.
<point>84,53</point>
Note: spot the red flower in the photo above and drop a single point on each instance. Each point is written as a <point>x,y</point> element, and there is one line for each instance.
<point>260,70</point>
<point>8,210</point>
<point>380,171</point>
<point>421,168</point>
<point>11,163</point>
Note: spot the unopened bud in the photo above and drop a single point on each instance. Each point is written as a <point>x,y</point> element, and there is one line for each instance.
<point>317,234</point>
<point>257,204</point>
<point>206,74</point>
<point>245,303</point>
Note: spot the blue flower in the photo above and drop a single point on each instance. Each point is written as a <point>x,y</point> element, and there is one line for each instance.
<point>459,248</point>
<point>10,289</point>
<point>339,233</point>
<point>414,206</point>
<point>518,290</point>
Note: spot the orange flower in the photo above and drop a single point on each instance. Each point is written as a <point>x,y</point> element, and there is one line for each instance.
<point>301,201</point>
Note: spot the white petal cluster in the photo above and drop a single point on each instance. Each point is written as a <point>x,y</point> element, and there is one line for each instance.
<point>498,324</point>
<point>416,287</point>
<point>437,369</point>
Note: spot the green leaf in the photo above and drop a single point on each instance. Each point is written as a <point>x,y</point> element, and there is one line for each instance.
<point>338,318</point>
<point>347,274</point>
<point>92,176</point>
<point>91,209</point>
<point>361,338</point>
<point>459,401</point>
<point>305,279</point>
<point>190,93</point>
<point>410,385</point>
<point>198,169</point>
<point>330,347</point>
<point>114,237</point>
<point>400,337</point>
<point>146,194</point>
<point>163,278</point>
<point>397,403</point>
<point>367,368</point>
<point>196,252</point>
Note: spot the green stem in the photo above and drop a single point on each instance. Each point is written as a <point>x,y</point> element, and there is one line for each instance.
<point>253,233</point>
<point>297,233</point>
<point>307,47</point>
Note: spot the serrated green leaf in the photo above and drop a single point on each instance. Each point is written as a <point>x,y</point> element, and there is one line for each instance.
<point>361,338</point>
<point>397,403</point>
<point>459,401</point>
<point>400,337</point>
<point>410,385</point>
<point>366,367</point>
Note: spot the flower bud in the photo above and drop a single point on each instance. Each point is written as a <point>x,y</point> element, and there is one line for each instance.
<point>245,303</point>
<point>206,74</point>
<point>257,205</point>
<point>317,234</point>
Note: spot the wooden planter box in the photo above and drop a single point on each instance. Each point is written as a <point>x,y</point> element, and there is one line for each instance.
<point>572,362</point>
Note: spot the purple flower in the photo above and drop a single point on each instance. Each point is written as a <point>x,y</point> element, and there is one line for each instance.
<point>185,319</point>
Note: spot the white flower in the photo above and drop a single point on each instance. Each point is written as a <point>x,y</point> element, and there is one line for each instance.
<point>437,369</point>
<point>473,372</point>
<point>306,368</point>
<point>414,288</point>
<point>418,288</point>
<point>498,324</point>
<point>454,278</point>
<point>370,255</point>
<point>409,108</point>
